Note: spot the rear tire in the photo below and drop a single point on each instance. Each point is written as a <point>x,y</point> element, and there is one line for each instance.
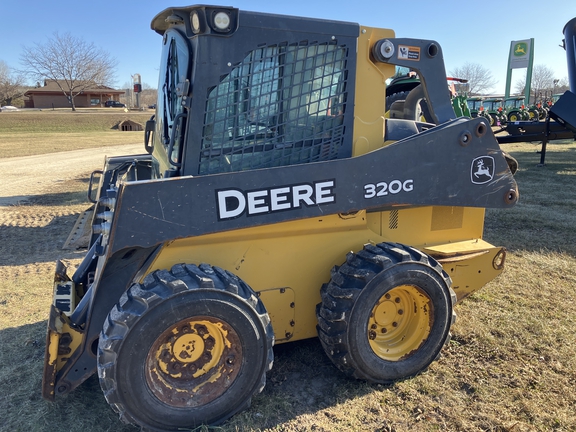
<point>386,313</point>
<point>186,347</point>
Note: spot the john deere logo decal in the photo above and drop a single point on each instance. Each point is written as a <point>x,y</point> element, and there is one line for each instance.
<point>482,170</point>
<point>520,49</point>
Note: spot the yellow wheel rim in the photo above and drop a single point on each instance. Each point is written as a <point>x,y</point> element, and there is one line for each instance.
<point>400,322</point>
<point>193,362</point>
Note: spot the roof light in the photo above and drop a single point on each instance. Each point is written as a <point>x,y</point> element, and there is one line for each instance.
<point>195,21</point>
<point>222,21</point>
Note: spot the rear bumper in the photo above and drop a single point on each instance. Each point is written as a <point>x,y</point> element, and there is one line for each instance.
<point>470,264</point>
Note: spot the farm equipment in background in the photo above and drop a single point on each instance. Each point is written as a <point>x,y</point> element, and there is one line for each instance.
<point>560,122</point>
<point>398,87</point>
<point>493,111</point>
<point>538,111</point>
<point>405,82</point>
<point>474,105</point>
<point>275,202</point>
<point>458,94</point>
<point>460,105</point>
<point>516,110</point>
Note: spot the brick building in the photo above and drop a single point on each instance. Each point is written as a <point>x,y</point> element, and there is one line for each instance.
<point>51,96</point>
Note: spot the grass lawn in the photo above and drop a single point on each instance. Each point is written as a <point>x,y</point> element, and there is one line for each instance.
<point>510,366</point>
<point>31,132</point>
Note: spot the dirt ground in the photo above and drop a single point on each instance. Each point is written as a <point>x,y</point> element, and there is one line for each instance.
<point>36,207</point>
<point>22,177</point>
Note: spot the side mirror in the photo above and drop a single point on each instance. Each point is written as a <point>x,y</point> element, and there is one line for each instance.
<point>150,128</point>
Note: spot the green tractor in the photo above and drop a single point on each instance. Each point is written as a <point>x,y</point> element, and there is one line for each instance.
<point>538,111</point>
<point>516,110</point>
<point>493,111</point>
<point>474,104</point>
<point>460,105</point>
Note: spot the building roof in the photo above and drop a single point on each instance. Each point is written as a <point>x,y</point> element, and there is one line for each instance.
<point>51,86</point>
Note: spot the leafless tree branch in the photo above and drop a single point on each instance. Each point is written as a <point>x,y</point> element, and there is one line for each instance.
<point>11,85</point>
<point>74,64</point>
<point>480,79</point>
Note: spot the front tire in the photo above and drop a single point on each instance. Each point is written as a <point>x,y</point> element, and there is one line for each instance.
<point>386,313</point>
<point>186,347</point>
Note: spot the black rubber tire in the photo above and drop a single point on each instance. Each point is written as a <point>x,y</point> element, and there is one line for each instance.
<point>349,301</point>
<point>390,99</point>
<point>492,119</point>
<point>144,316</point>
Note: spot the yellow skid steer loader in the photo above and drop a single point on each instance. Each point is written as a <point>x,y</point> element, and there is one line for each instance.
<point>275,202</point>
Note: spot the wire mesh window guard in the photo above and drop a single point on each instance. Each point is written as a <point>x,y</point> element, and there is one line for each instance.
<point>282,105</point>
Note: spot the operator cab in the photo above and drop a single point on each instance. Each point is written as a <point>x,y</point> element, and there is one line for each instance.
<point>264,103</point>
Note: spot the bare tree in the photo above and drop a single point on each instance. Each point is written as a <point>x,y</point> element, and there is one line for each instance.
<point>75,65</point>
<point>479,78</point>
<point>562,85</point>
<point>149,94</point>
<point>542,81</point>
<point>11,85</point>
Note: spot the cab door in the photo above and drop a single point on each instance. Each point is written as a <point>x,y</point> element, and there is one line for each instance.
<point>171,110</point>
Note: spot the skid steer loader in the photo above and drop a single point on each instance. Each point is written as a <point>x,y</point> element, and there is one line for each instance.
<point>275,203</point>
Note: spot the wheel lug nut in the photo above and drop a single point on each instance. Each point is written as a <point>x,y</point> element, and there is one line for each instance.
<point>372,335</point>
<point>400,311</point>
<point>394,324</point>
<point>383,330</point>
<point>373,326</point>
<point>387,296</point>
<point>397,299</point>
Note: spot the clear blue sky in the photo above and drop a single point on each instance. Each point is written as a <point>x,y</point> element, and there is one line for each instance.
<point>468,31</point>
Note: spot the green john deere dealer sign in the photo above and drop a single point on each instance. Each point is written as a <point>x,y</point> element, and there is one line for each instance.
<point>519,54</point>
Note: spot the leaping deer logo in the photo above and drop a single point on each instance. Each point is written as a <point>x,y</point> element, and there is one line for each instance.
<point>520,49</point>
<point>482,170</point>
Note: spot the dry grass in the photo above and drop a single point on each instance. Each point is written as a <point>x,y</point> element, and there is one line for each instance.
<point>27,133</point>
<point>510,366</point>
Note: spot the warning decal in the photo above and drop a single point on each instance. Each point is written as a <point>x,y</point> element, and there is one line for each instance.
<point>406,52</point>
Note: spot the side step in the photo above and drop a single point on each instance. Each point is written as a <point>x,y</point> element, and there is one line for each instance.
<point>79,237</point>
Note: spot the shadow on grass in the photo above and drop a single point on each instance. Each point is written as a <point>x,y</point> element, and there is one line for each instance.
<point>302,381</point>
<point>59,199</point>
<point>41,243</point>
<point>21,405</point>
<point>53,199</point>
